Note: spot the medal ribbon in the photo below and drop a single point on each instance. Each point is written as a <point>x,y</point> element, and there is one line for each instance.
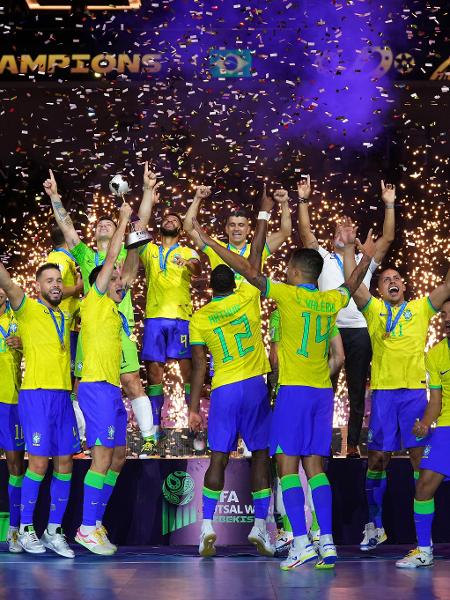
<point>4,333</point>
<point>241,251</point>
<point>97,260</point>
<point>125,325</point>
<point>391,325</point>
<point>59,329</point>
<point>163,259</point>
<point>66,252</point>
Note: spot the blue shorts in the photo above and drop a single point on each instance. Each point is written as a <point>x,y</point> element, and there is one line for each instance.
<point>242,407</point>
<point>11,433</point>
<point>105,415</point>
<point>73,349</point>
<point>48,422</point>
<point>302,422</point>
<point>436,455</point>
<point>166,338</point>
<point>392,418</point>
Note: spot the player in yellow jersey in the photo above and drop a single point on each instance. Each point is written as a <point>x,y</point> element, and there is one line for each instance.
<point>169,267</point>
<point>434,466</point>
<point>302,421</point>
<point>11,435</point>
<point>398,330</point>
<point>238,229</point>
<point>99,392</point>
<point>45,409</point>
<point>87,259</point>
<point>230,327</point>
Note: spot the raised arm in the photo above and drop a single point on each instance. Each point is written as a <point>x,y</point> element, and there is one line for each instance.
<point>249,270</point>
<point>199,365</point>
<point>384,242</point>
<point>201,192</point>
<point>103,278</point>
<point>14,292</point>
<point>354,274</point>
<point>259,239</point>
<point>130,268</point>
<point>276,239</point>
<point>73,290</point>
<point>440,294</point>
<point>309,240</point>
<point>150,196</point>
<point>61,215</point>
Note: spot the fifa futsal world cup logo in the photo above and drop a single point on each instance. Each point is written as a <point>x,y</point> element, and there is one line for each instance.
<point>178,510</point>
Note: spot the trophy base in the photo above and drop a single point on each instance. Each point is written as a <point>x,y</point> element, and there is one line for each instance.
<point>137,238</point>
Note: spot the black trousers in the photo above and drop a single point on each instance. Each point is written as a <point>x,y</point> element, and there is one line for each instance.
<point>358,354</point>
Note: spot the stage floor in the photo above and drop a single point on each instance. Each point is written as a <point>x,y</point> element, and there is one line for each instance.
<point>164,573</point>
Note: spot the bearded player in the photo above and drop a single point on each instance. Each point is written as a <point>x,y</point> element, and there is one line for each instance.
<point>87,260</point>
<point>398,330</point>
<point>434,466</point>
<point>45,409</point>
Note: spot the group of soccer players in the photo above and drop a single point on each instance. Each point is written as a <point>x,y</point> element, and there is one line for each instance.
<point>297,432</point>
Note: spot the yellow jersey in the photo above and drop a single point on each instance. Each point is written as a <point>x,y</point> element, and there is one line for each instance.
<point>437,364</point>
<point>168,284</point>
<point>10,359</point>
<point>307,318</point>
<point>398,360</point>
<point>215,260</point>
<point>231,328</point>
<point>47,360</point>
<point>101,338</point>
<point>68,267</point>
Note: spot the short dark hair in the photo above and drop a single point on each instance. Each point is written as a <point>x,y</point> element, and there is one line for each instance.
<point>222,279</point>
<point>174,214</point>
<point>308,261</point>
<point>390,268</point>
<point>46,267</point>
<point>93,274</point>
<point>56,235</point>
<point>238,212</point>
<point>106,218</point>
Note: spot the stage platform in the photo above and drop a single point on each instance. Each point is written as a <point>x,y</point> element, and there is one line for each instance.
<point>166,573</point>
<point>157,502</point>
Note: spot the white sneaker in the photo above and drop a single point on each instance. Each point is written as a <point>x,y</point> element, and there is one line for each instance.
<point>13,540</point>
<point>283,540</point>
<point>58,543</point>
<point>373,536</point>
<point>104,533</point>
<point>30,541</point>
<point>327,556</point>
<point>206,547</point>
<point>94,542</point>
<point>415,559</point>
<point>261,539</point>
<point>314,536</point>
<point>298,556</point>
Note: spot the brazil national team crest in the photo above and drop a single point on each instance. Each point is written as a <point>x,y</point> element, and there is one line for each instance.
<point>111,432</point>
<point>407,314</point>
<point>178,509</point>
<point>369,436</point>
<point>36,439</point>
<point>427,450</point>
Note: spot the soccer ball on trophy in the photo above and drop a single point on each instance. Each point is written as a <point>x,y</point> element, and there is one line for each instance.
<point>136,236</point>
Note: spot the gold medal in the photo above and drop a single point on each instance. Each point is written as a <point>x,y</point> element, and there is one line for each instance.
<point>386,335</point>
<point>133,337</point>
<point>63,347</point>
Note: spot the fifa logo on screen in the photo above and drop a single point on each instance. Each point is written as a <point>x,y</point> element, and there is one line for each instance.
<point>90,5</point>
<point>178,510</point>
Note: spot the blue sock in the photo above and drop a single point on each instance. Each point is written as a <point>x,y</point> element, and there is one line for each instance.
<point>107,490</point>
<point>59,496</point>
<point>423,518</point>
<point>30,491</point>
<point>14,493</point>
<point>321,493</point>
<point>210,499</point>
<point>261,502</point>
<point>156,396</point>
<point>93,485</point>
<point>294,503</point>
<point>375,488</point>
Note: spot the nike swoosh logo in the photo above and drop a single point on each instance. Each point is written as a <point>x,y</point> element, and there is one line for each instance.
<point>444,372</point>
